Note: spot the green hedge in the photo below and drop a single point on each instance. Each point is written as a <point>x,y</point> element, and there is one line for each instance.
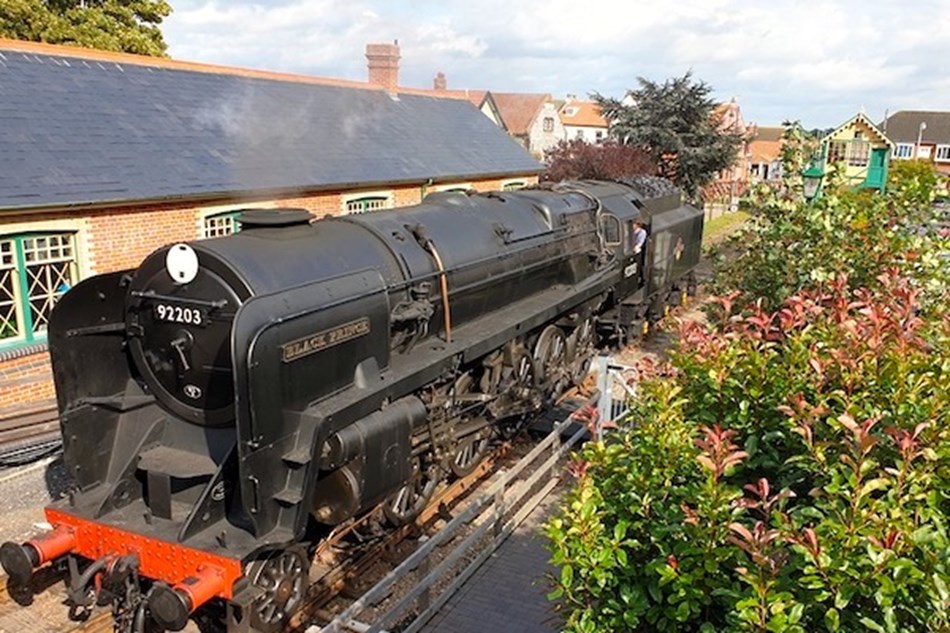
<point>790,470</point>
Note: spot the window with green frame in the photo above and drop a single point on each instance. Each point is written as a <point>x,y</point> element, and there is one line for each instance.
<point>367,204</point>
<point>36,269</point>
<point>514,186</point>
<point>221,224</point>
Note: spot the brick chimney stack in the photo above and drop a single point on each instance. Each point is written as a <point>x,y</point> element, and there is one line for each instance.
<point>383,62</point>
<point>439,82</point>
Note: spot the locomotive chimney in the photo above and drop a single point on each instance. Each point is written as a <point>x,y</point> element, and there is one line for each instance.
<point>439,82</point>
<point>383,63</point>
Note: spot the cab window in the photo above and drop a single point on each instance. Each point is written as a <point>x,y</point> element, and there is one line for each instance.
<point>610,228</point>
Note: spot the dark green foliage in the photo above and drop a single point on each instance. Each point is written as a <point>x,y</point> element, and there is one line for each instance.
<point>675,123</point>
<point>130,26</point>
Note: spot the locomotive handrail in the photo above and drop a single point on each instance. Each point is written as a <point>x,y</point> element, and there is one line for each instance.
<point>444,287</point>
<point>216,304</point>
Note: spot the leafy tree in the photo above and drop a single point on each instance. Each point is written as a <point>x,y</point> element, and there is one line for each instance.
<point>675,122</point>
<point>577,159</point>
<point>129,26</point>
<point>914,183</point>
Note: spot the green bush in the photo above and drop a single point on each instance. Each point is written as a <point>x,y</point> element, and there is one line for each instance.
<point>791,474</point>
<point>789,246</point>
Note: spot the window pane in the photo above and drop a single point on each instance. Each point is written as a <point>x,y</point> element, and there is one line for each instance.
<point>6,254</point>
<point>46,284</point>
<point>220,225</point>
<point>363,205</point>
<point>611,229</point>
<point>836,151</point>
<point>858,153</point>
<point>9,324</point>
<point>513,186</point>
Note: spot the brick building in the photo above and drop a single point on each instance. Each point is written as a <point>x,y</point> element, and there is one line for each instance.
<point>108,156</point>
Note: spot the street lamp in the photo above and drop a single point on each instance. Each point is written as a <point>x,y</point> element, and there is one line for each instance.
<point>920,135</point>
<point>811,181</point>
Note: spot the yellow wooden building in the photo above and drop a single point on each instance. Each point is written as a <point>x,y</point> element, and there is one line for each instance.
<point>861,150</point>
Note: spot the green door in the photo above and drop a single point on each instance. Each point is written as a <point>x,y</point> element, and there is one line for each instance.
<point>877,169</point>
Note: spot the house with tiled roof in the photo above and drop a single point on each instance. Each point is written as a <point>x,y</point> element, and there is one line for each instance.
<point>732,182</point>
<point>861,150</point>
<point>583,120</point>
<point>108,156</point>
<point>920,134</point>
<point>765,154</point>
<point>532,119</point>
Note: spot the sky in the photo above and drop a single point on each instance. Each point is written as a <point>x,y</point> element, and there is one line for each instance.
<point>817,61</point>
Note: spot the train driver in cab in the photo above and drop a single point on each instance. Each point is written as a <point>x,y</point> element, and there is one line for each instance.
<point>639,237</point>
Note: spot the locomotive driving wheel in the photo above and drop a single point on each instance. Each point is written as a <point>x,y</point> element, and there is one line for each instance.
<point>406,503</point>
<point>470,449</point>
<point>581,348</point>
<point>550,353</point>
<point>282,576</point>
<point>471,452</point>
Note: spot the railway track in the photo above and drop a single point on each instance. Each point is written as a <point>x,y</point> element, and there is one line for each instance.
<point>335,581</point>
<point>29,435</point>
<point>37,607</point>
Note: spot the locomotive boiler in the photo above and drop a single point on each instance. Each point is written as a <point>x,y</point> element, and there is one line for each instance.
<point>229,394</point>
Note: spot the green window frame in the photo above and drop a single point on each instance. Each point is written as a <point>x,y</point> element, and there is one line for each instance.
<point>220,224</point>
<point>36,269</point>
<point>514,186</point>
<point>367,204</point>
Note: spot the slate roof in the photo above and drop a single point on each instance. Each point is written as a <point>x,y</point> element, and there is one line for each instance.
<point>903,126</point>
<point>87,128</point>
<point>475,97</point>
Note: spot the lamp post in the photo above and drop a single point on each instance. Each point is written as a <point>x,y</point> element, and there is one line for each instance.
<point>811,181</point>
<point>920,135</point>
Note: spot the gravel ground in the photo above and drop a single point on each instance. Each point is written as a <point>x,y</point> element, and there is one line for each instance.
<point>26,490</point>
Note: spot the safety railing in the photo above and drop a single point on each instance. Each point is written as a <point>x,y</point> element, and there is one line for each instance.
<point>482,525</point>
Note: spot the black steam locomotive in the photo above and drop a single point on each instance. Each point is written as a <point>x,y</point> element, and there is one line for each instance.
<point>226,395</point>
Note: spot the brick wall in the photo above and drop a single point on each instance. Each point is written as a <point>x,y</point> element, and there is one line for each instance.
<point>121,238</point>
<point>25,383</point>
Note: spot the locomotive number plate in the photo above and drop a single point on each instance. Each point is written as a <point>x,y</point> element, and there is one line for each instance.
<point>180,314</point>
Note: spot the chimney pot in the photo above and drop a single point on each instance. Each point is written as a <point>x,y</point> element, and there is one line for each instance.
<point>439,82</point>
<point>383,63</point>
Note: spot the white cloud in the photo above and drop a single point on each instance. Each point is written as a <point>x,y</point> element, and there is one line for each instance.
<point>816,61</point>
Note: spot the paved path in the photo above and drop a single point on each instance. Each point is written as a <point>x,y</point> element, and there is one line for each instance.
<point>508,592</point>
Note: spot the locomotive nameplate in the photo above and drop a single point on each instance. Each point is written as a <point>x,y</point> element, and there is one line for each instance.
<point>326,339</point>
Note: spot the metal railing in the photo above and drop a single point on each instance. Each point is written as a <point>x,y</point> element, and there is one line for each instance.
<point>482,526</point>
